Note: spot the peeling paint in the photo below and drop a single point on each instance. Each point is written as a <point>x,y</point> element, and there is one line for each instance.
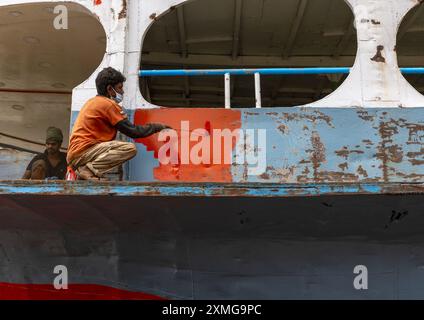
<point>363,114</point>
<point>283,128</point>
<point>384,146</point>
<point>368,142</point>
<point>362,172</point>
<point>378,56</point>
<point>344,166</point>
<point>123,13</point>
<point>314,117</point>
<point>345,152</point>
<point>125,189</point>
<point>317,153</point>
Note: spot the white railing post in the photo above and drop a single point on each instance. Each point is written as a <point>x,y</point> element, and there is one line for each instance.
<point>227,91</point>
<point>258,96</point>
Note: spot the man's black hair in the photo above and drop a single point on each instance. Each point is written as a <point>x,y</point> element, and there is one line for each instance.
<point>106,77</point>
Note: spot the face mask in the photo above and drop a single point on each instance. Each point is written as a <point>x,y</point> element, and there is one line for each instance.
<point>119,97</point>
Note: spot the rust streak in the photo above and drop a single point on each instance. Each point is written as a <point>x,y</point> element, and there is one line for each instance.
<point>344,166</point>
<point>413,157</point>
<point>378,56</point>
<point>416,162</point>
<point>345,152</point>
<point>367,142</point>
<point>362,172</point>
<point>264,176</point>
<point>317,116</point>
<point>318,153</point>
<point>364,115</point>
<point>330,176</point>
<point>283,129</point>
<point>123,13</point>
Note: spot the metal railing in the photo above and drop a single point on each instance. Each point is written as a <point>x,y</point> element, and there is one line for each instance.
<point>227,73</point>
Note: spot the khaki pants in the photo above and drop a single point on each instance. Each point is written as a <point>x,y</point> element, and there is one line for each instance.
<point>103,157</point>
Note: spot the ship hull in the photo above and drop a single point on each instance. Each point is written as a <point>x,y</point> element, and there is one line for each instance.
<point>211,247</point>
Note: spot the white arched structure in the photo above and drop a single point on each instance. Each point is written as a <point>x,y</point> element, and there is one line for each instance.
<point>375,80</point>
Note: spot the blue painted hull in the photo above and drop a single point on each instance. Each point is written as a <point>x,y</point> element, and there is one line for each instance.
<point>310,145</point>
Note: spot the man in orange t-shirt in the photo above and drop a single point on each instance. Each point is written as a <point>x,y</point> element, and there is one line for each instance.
<point>93,150</point>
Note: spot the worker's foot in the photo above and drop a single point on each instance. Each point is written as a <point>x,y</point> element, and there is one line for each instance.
<point>84,173</point>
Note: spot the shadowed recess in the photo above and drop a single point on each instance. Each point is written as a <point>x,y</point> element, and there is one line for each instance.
<point>410,45</point>
<point>220,34</point>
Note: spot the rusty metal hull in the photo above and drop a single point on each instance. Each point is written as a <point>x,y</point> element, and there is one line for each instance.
<point>193,245</point>
<point>303,145</point>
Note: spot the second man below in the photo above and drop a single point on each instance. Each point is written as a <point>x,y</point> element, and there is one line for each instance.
<point>93,150</point>
<point>52,163</point>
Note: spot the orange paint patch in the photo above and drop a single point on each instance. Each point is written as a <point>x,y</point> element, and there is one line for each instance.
<point>207,119</point>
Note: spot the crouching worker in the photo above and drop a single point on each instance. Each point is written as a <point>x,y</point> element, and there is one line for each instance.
<point>52,163</point>
<point>93,150</point>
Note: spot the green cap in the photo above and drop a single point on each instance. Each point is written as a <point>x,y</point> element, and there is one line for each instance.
<point>54,134</point>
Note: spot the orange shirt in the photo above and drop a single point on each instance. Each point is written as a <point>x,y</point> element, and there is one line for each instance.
<point>95,124</point>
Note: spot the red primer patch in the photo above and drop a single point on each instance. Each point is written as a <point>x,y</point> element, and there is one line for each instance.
<point>208,119</point>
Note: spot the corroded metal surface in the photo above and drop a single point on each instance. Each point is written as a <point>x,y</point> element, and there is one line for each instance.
<point>265,190</point>
<point>303,145</point>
